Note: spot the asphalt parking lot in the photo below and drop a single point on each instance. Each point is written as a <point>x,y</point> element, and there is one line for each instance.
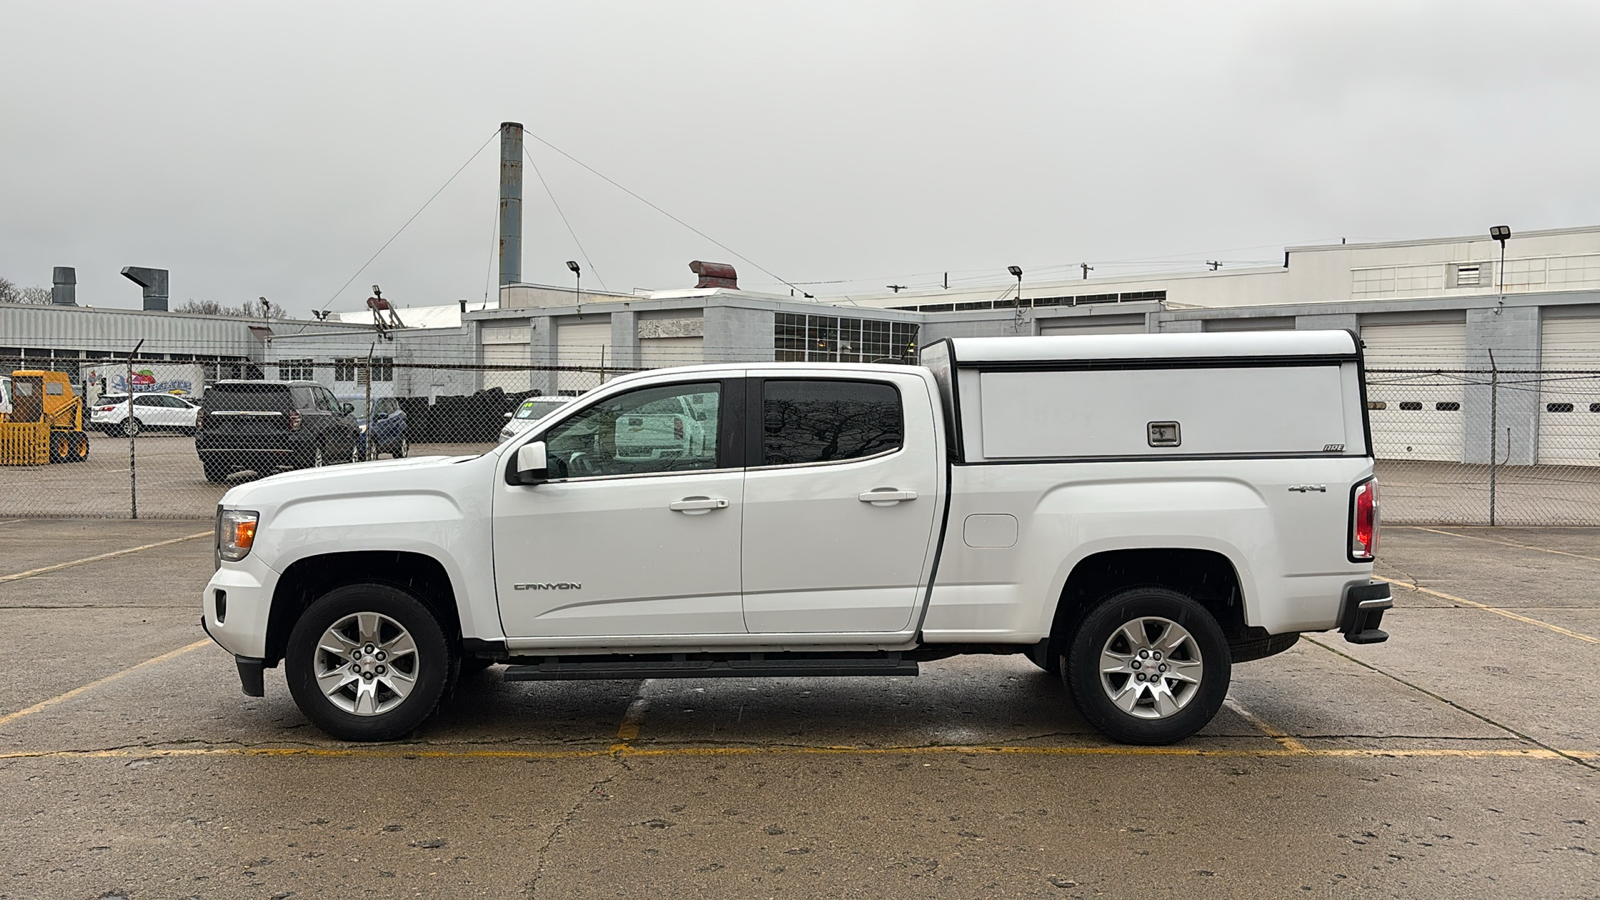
<point>1457,760</point>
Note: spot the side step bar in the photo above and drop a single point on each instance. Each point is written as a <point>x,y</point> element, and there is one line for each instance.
<point>679,665</point>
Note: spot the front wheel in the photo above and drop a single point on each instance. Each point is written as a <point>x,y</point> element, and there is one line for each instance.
<point>1148,666</point>
<point>367,662</point>
<point>402,448</point>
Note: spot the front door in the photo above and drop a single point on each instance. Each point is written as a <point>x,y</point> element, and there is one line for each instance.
<point>637,531</point>
<point>840,507</point>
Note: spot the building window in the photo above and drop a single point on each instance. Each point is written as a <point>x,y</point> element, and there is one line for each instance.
<point>344,369</point>
<point>294,370</point>
<point>800,338</point>
<point>354,369</point>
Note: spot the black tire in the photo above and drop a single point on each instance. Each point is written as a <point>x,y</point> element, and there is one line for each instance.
<point>60,447</point>
<point>401,448</point>
<point>431,661</point>
<point>1188,706</point>
<point>131,427</point>
<point>79,448</point>
<point>316,457</point>
<point>215,473</point>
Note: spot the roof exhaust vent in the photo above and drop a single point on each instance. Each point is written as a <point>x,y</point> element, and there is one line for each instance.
<point>154,282</point>
<point>64,286</point>
<point>715,275</point>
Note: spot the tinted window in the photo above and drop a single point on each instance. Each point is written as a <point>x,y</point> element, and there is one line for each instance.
<point>304,398</point>
<point>828,421</point>
<point>247,396</point>
<point>626,435</point>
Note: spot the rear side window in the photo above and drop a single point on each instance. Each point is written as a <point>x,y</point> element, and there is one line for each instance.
<point>248,396</point>
<point>817,421</point>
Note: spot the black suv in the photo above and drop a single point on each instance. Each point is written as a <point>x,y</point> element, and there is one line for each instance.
<point>268,425</point>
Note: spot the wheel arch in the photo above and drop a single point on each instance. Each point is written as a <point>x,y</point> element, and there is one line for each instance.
<point>418,574</point>
<point>1206,575</point>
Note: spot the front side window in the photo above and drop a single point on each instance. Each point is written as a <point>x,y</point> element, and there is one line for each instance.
<point>649,431</point>
<point>815,421</point>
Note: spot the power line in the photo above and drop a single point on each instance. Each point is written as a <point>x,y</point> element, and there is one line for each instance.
<point>410,220</point>
<point>586,260</point>
<point>658,209</point>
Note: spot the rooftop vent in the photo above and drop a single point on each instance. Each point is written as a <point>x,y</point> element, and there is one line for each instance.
<point>64,286</point>
<point>715,275</point>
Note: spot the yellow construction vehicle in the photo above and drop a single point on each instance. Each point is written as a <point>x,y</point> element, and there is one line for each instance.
<point>45,424</point>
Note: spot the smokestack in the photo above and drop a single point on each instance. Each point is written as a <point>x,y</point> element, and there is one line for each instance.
<point>154,282</point>
<point>64,286</point>
<point>510,202</point>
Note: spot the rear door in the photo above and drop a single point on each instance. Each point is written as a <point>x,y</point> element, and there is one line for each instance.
<point>841,503</point>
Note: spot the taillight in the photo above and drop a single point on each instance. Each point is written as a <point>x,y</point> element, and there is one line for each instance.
<point>1364,521</point>
<point>294,421</point>
<point>677,429</point>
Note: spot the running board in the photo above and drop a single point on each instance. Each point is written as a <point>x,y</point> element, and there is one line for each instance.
<point>755,665</point>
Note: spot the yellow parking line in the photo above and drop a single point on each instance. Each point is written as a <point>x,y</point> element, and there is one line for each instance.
<point>1284,739</point>
<point>1494,609</point>
<point>46,704</point>
<point>89,559</point>
<point>669,752</point>
<point>1504,543</point>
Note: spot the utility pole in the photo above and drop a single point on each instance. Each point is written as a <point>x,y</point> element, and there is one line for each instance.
<point>133,440</point>
<point>1086,270</point>
<point>1494,427</point>
<point>1213,264</point>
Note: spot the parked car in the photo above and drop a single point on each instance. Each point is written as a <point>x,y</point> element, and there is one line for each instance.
<point>530,413</point>
<point>151,412</point>
<point>1105,506</point>
<point>262,426</point>
<point>382,432</point>
<point>5,396</point>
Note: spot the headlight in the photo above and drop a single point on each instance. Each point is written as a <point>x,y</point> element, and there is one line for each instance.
<point>238,534</point>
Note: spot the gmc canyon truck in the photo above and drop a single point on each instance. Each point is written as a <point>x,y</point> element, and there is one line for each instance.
<point>1135,513</point>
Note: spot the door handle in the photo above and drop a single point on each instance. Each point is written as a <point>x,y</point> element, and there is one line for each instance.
<point>886,496</point>
<point>697,506</point>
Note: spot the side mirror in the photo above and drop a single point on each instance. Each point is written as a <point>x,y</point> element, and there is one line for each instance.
<point>532,466</point>
<point>346,409</point>
<point>508,415</point>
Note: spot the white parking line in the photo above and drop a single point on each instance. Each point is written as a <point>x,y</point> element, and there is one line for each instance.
<point>1283,739</point>
<point>1494,609</point>
<point>89,559</point>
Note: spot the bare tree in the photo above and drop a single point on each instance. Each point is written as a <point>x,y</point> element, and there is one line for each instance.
<point>246,310</point>
<point>11,292</point>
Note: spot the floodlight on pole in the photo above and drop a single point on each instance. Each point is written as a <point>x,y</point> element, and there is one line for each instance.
<point>577,274</point>
<point>1016,272</point>
<point>1501,233</point>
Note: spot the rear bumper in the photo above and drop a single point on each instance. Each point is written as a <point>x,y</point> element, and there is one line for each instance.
<point>1362,611</point>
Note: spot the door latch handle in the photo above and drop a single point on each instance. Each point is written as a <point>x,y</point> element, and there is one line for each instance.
<point>697,505</point>
<point>886,496</point>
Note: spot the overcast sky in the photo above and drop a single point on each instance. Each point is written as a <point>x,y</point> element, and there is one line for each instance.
<point>271,148</point>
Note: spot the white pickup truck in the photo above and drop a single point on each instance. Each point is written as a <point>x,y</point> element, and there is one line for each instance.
<point>1134,512</point>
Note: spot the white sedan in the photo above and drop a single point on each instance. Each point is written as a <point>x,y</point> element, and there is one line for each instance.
<point>151,412</point>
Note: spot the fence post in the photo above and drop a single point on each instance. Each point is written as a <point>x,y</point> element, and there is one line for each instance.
<point>133,439</point>
<point>1494,430</point>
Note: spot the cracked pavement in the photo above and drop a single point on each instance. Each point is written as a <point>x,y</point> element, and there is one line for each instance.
<point>1432,765</point>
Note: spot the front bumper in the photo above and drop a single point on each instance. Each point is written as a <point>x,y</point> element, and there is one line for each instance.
<point>1362,610</point>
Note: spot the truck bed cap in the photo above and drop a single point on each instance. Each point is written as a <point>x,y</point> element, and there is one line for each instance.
<point>1012,350</point>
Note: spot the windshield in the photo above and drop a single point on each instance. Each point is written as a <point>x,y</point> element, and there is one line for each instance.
<point>539,408</point>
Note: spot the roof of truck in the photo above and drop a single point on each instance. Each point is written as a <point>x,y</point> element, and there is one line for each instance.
<point>1152,346</point>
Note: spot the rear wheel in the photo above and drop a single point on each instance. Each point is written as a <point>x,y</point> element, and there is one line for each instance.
<point>132,427</point>
<point>60,447</point>
<point>80,447</point>
<point>357,452</point>
<point>1148,666</point>
<point>402,447</point>
<point>317,458</point>
<point>367,662</point>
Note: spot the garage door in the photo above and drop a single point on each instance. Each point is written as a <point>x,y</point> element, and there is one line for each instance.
<point>585,344</point>
<point>1414,389</point>
<point>659,353</point>
<point>506,345</point>
<point>1569,394</point>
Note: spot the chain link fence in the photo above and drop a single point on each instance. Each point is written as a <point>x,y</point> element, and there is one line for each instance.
<point>1464,447</point>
